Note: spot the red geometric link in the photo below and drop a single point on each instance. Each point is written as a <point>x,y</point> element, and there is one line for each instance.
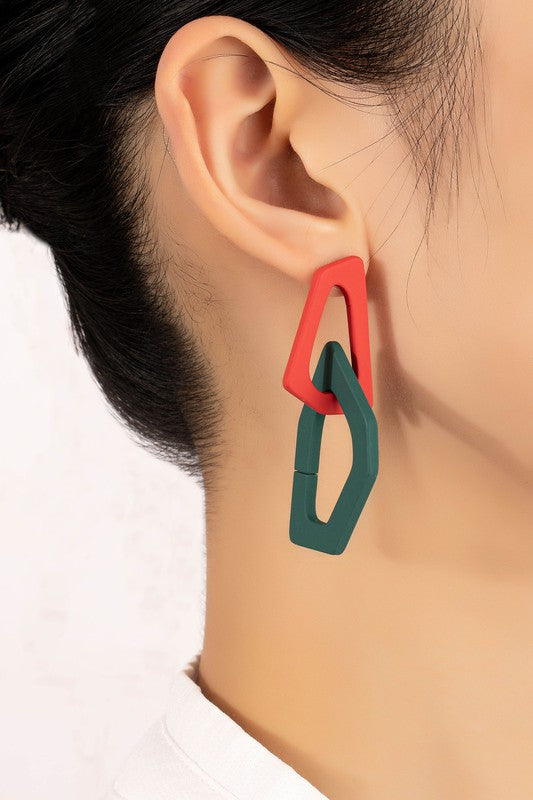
<point>349,275</point>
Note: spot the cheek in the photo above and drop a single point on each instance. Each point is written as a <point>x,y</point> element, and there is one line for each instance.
<point>463,336</point>
<point>463,330</point>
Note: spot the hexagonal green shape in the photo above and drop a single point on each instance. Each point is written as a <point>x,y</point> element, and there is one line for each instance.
<point>335,373</point>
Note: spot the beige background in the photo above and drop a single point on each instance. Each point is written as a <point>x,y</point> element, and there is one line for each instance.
<point>102,581</point>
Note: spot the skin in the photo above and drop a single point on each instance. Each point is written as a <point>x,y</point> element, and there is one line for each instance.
<point>404,667</point>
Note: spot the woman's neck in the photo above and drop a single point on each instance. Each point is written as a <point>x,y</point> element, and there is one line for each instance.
<point>401,668</point>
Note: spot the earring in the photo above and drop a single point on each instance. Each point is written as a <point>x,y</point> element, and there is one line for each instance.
<point>338,386</point>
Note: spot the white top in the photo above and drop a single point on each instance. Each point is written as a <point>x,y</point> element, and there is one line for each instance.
<point>197,752</point>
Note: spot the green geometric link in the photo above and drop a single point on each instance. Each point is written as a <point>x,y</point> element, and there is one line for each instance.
<point>334,373</point>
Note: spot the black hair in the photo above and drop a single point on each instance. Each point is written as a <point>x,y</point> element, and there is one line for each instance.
<point>76,95</point>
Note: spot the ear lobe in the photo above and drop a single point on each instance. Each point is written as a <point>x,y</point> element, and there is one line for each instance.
<point>229,101</point>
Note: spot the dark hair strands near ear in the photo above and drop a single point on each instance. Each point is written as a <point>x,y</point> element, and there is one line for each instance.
<point>76,103</point>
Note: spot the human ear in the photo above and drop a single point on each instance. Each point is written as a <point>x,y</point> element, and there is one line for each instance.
<point>237,116</point>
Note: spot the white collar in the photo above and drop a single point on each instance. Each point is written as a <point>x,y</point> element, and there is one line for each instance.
<point>240,764</point>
